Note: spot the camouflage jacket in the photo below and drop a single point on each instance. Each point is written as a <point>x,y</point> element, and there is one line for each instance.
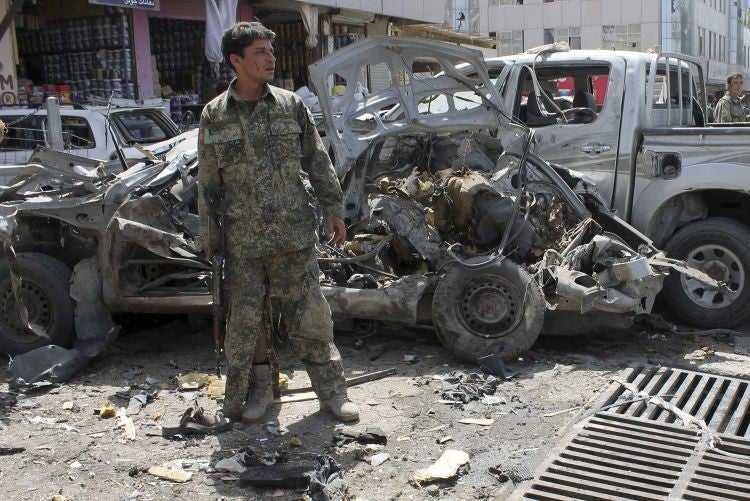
<point>730,109</point>
<point>259,156</point>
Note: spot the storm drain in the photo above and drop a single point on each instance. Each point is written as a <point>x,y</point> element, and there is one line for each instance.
<point>723,403</point>
<point>633,450</point>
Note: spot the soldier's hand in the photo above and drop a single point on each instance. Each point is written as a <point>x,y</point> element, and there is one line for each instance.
<point>336,231</point>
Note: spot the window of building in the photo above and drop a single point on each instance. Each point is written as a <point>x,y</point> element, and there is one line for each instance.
<point>509,42</point>
<point>702,42</point>
<point>623,37</point>
<point>571,35</point>
<point>462,15</point>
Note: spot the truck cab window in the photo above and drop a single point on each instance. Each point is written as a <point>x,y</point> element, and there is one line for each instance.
<point>580,92</point>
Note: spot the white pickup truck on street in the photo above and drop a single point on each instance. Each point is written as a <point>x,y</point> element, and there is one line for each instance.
<point>635,124</point>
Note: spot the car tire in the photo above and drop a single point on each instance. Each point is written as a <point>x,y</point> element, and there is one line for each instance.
<point>45,283</point>
<point>495,309</point>
<point>719,247</point>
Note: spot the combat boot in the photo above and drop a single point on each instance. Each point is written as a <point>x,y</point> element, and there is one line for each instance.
<point>260,395</point>
<point>341,407</point>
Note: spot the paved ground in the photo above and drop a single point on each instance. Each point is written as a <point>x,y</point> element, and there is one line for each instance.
<point>71,452</point>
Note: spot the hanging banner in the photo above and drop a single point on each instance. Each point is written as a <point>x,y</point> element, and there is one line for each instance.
<point>132,4</point>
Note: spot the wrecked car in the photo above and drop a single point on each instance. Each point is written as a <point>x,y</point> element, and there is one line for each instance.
<point>452,224</point>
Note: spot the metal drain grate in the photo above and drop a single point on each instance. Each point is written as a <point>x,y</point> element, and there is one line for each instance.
<point>722,402</point>
<point>638,451</point>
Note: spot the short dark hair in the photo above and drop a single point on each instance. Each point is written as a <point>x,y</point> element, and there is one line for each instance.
<point>241,35</point>
<point>733,76</point>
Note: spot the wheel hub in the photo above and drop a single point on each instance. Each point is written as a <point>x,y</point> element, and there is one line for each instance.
<point>721,264</point>
<point>489,307</point>
<point>37,304</point>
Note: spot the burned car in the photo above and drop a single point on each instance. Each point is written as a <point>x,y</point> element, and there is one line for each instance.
<point>452,223</point>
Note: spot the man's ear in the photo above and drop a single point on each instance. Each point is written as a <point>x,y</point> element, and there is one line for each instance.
<point>234,59</point>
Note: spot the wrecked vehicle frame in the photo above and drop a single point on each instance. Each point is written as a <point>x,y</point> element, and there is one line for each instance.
<point>452,225</point>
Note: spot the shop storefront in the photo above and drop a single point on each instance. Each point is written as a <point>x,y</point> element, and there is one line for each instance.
<point>74,50</point>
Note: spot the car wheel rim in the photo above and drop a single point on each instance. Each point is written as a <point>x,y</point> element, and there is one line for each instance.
<point>721,264</point>
<point>489,307</point>
<point>38,305</point>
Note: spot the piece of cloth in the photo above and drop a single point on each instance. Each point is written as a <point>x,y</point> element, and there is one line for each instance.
<point>310,19</point>
<point>260,155</point>
<point>730,109</point>
<point>220,15</point>
<point>292,279</point>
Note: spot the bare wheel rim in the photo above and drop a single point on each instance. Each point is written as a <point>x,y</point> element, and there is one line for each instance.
<point>721,264</point>
<point>489,307</point>
<point>38,304</point>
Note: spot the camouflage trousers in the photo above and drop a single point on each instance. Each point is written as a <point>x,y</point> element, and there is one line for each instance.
<point>292,280</point>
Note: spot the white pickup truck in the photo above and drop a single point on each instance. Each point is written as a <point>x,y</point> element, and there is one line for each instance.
<point>634,123</point>
<point>85,131</point>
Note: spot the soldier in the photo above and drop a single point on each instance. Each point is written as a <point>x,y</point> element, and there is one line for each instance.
<point>730,107</point>
<point>254,140</point>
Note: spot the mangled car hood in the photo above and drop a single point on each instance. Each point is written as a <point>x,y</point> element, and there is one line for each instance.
<point>414,102</point>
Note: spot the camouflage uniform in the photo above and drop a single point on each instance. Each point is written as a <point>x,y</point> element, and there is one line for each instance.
<point>730,109</point>
<point>258,149</point>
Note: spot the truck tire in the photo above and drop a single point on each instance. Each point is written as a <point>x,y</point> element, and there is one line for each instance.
<point>45,286</point>
<point>497,309</point>
<point>719,247</point>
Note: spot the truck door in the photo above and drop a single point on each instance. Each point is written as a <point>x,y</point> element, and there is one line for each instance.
<point>590,95</point>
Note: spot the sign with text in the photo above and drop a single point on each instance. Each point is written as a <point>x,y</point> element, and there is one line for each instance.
<point>132,4</point>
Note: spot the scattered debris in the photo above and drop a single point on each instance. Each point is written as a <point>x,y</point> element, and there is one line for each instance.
<point>197,422</point>
<point>494,365</point>
<point>76,465</point>
<point>480,422</point>
<point>178,476</point>
<point>446,467</point>
<point>379,459</point>
<point>411,359</point>
<point>327,480</point>
<point>28,403</point>
<point>466,387</point>
<point>494,400</point>
<point>515,472</point>
<point>192,381</point>
<point>126,423</point>
<point>557,413</point>
<point>352,381</point>
<point>108,410</point>
<point>7,451</point>
<point>445,439</point>
<point>371,435</point>
<point>290,476</point>
<point>234,464</point>
<point>295,442</point>
<point>275,429</point>
<point>216,387</point>
<point>137,402</point>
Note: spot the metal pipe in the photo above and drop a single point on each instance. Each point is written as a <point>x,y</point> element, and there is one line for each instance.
<point>54,124</point>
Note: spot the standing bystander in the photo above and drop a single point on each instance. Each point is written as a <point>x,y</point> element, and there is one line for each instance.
<point>254,141</point>
<point>730,107</point>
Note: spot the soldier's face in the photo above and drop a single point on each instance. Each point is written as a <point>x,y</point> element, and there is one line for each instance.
<point>256,63</point>
<point>736,86</point>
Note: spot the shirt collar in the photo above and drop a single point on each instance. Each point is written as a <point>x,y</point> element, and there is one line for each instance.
<point>268,90</point>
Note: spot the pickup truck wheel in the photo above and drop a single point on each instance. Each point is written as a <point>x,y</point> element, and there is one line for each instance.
<point>482,311</point>
<point>45,290</point>
<point>719,247</point>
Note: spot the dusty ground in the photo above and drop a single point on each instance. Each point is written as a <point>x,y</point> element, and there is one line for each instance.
<point>73,453</point>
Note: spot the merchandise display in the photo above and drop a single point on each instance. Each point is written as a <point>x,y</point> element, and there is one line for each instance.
<point>86,57</point>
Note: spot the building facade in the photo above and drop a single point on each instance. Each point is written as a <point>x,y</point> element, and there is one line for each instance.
<point>716,31</point>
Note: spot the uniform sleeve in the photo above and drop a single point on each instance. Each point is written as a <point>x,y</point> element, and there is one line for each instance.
<point>317,164</point>
<point>723,112</point>
<point>208,183</point>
